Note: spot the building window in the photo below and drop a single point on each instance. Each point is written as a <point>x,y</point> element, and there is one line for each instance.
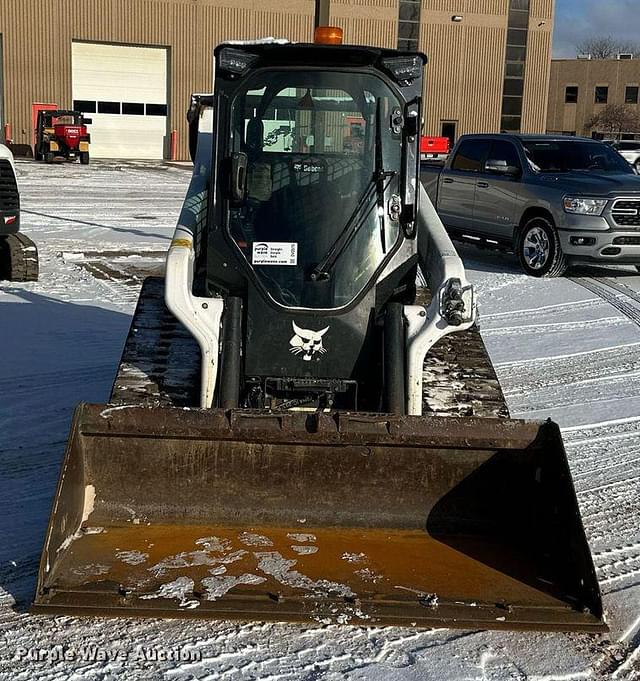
<point>132,109</point>
<point>408,25</point>
<point>515,59</point>
<point>571,94</point>
<point>511,123</point>
<point>449,131</point>
<point>631,94</point>
<point>156,109</point>
<point>84,106</point>
<point>602,94</point>
<point>109,107</point>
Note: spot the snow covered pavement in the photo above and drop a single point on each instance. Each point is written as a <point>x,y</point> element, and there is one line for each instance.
<point>560,349</point>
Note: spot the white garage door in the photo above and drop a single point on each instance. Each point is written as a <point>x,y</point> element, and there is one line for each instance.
<point>124,91</point>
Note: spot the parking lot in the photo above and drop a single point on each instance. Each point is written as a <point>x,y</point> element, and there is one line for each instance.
<point>568,349</point>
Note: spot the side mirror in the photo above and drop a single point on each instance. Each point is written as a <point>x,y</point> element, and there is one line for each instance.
<point>239,162</point>
<point>501,168</point>
<point>87,121</point>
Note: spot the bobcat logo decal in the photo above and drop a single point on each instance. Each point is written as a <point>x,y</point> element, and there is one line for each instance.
<point>307,343</point>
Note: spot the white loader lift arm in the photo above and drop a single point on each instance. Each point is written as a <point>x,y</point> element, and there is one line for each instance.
<point>452,306</point>
<point>200,316</point>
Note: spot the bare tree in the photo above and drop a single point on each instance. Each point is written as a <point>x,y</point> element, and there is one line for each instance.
<point>607,47</point>
<point>615,119</point>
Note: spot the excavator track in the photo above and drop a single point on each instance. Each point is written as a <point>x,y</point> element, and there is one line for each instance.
<point>160,365</point>
<point>18,258</point>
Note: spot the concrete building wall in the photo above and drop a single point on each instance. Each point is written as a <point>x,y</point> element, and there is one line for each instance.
<point>586,75</point>
<point>464,79</point>
<point>37,38</point>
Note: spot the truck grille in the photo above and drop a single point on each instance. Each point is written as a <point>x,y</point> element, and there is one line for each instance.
<point>9,197</point>
<point>627,241</point>
<point>626,212</point>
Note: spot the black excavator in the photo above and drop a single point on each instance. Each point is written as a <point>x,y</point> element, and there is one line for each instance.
<point>305,424</point>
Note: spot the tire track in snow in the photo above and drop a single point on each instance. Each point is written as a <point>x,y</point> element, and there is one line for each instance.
<point>613,293</point>
<point>604,463</point>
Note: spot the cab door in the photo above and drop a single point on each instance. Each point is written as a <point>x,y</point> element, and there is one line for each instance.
<point>457,184</point>
<point>497,196</point>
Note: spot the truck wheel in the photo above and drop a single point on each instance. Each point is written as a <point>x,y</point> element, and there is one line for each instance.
<point>539,251</point>
<point>84,158</point>
<point>48,157</point>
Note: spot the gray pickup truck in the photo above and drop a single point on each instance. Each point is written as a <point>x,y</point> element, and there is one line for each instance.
<point>555,201</point>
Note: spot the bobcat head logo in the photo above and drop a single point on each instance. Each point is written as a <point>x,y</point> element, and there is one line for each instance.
<point>306,342</point>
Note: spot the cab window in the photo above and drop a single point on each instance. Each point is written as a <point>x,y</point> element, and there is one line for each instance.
<point>471,156</point>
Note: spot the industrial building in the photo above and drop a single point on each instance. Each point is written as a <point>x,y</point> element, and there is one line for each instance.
<point>132,64</point>
<point>580,88</point>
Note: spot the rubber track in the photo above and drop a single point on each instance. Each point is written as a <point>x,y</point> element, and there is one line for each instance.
<point>160,365</point>
<point>18,258</point>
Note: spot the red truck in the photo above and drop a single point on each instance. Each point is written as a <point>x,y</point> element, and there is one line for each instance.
<point>434,148</point>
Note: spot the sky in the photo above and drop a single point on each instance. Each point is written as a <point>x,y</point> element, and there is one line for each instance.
<point>576,19</point>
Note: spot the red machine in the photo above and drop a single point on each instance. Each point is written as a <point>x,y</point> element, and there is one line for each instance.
<point>62,134</point>
<point>434,147</point>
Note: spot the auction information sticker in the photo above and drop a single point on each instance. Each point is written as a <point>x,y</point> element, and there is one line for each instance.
<point>275,253</point>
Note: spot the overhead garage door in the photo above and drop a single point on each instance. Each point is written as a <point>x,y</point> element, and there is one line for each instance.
<point>124,91</point>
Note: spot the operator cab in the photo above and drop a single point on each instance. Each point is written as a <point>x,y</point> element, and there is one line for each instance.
<point>320,144</point>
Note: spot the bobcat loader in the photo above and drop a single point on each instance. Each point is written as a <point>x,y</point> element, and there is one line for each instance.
<point>297,430</point>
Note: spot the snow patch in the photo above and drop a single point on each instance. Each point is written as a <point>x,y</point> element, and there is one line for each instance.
<point>214,544</point>
<point>304,550</point>
<point>217,586</point>
<point>354,557</point>
<point>91,569</point>
<point>182,560</point>
<point>132,557</point>
<point>276,565</point>
<point>89,501</point>
<point>179,589</point>
<point>251,539</point>
<point>105,412</point>
<point>368,575</point>
<point>301,537</point>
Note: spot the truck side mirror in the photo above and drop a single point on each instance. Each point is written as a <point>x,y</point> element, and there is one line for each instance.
<point>239,163</point>
<point>87,121</point>
<point>500,167</point>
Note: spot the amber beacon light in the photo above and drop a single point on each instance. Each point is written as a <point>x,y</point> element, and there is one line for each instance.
<point>328,35</point>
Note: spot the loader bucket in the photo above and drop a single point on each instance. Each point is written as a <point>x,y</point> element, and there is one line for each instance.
<point>342,517</point>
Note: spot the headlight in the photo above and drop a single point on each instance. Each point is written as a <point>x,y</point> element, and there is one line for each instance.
<point>581,206</point>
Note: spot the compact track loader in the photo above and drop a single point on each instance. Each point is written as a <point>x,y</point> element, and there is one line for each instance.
<point>18,253</point>
<point>298,430</point>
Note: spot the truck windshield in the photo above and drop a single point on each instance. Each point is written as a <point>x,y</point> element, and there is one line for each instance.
<point>559,156</point>
<point>314,223</point>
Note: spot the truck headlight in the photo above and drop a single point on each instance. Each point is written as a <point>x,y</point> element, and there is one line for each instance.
<point>581,206</point>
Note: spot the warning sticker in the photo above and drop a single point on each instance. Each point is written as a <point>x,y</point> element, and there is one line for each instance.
<point>275,253</point>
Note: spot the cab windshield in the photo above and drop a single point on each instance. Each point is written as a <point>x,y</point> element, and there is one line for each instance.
<point>323,163</point>
<point>557,156</point>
